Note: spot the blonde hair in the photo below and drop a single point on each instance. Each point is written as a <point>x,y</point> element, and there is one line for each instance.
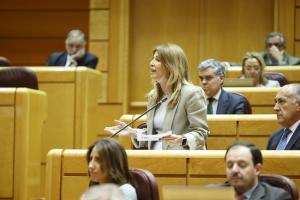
<point>257,56</point>
<point>175,61</point>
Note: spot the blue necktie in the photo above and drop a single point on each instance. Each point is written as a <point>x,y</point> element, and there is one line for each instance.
<point>209,106</point>
<point>284,139</point>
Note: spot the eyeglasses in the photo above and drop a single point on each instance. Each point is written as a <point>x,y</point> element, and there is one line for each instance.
<point>278,45</point>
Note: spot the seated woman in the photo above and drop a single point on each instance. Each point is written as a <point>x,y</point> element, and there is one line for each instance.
<point>253,67</point>
<point>107,163</point>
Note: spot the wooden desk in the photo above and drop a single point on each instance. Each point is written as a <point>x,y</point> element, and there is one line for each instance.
<point>292,73</point>
<point>225,129</point>
<point>67,169</point>
<point>73,95</point>
<point>22,116</point>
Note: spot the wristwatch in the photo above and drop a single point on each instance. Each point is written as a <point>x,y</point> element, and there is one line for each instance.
<point>184,141</point>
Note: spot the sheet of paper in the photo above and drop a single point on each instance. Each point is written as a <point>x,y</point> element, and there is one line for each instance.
<point>156,137</point>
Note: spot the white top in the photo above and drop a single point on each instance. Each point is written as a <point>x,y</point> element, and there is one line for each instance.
<point>70,62</point>
<point>128,191</point>
<point>158,122</point>
<point>270,83</point>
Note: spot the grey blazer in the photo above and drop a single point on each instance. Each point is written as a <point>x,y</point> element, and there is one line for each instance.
<point>264,191</point>
<point>187,118</point>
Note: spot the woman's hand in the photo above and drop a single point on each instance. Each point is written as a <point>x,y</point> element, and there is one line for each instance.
<point>126,132</point>
<point>173,138</point>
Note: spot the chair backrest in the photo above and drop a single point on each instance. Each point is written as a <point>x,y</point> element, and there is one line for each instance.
<point>18,77</point>
<point>277,76</point>
<point>248,108</point>
<point>281,182</point>
<point>146,186</point>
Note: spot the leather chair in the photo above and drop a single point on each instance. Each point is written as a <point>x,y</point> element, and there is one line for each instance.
<point>146,186</point>
<point>277,76</point>
<point>281,182</point>
<point>18,77</point>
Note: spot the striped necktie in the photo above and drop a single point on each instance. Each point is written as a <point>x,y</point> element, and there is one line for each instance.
<point>284,139</point>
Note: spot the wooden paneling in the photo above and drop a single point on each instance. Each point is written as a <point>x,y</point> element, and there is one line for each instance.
<point>44,5</point>
<point>96,4</point>
<point>174,21</point>
<point>71,182</point>
<point>99,28</point>
<point>35,29</point>
<point>21,128</point>
<point>297,48</point>
<point>100,49</point>
<point>22,23</point>
<point>7,118</point>
<point>286,22</point>
<point>297,21</point>
<point>191,167</point>
<point>29,51</point>
<point>204,29</point>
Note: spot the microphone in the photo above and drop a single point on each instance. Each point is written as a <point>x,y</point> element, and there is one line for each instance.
<point>124,127</point>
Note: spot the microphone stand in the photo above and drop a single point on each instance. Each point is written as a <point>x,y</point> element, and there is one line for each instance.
<point>124,127</point>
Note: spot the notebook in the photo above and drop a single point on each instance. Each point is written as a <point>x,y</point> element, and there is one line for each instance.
<point>237,82</point>
<point>193,192</point>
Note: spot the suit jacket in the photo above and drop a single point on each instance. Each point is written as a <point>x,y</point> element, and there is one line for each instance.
<point>290,60</point>
<point>294,143</point>
<point>264,191</point>
<point>187,118</point>
<point>231,103</point>
<point>60,59</point>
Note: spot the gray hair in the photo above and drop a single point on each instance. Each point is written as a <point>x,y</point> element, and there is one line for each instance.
<point>75,34</point>
<point>274,34</point>
<point>296,91</point>
<point>214,64</point>
<point>103,192</point>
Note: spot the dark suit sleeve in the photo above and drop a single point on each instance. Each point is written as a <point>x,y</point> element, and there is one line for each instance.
<point>240,107</point>
<point>51,60</point>
<point>92,63</point>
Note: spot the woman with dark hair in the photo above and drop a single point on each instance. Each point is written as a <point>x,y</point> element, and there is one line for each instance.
<point>107,163</point>
<point>181,120</point>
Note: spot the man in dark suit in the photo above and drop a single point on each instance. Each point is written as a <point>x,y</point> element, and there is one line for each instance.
<point>287,108</point>
<point>243,166</point>
<point>275,53</point>
<point>211,74</point>
<point>75,54</point>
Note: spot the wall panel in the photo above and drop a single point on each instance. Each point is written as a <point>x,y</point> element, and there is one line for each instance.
<point>35,29</point>
<point>203,28</point>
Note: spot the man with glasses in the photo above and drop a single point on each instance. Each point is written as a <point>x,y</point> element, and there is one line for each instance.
<point>212,74</point>
<point>275,54</point>
<point>75,54</point>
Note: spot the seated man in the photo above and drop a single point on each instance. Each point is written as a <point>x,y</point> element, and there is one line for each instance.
<point>275,54</point>
<point>212,74</point>
<point>287,108</point>
<point>243,166</point>
<point>75,54</point>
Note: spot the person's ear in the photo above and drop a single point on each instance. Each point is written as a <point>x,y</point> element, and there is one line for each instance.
<point>258,168</point>
<point>222,79</point>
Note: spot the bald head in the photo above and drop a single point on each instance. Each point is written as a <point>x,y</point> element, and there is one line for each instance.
<point>287,105</point>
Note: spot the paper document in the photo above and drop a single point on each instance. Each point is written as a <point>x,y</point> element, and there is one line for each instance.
<point>142,137</point>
